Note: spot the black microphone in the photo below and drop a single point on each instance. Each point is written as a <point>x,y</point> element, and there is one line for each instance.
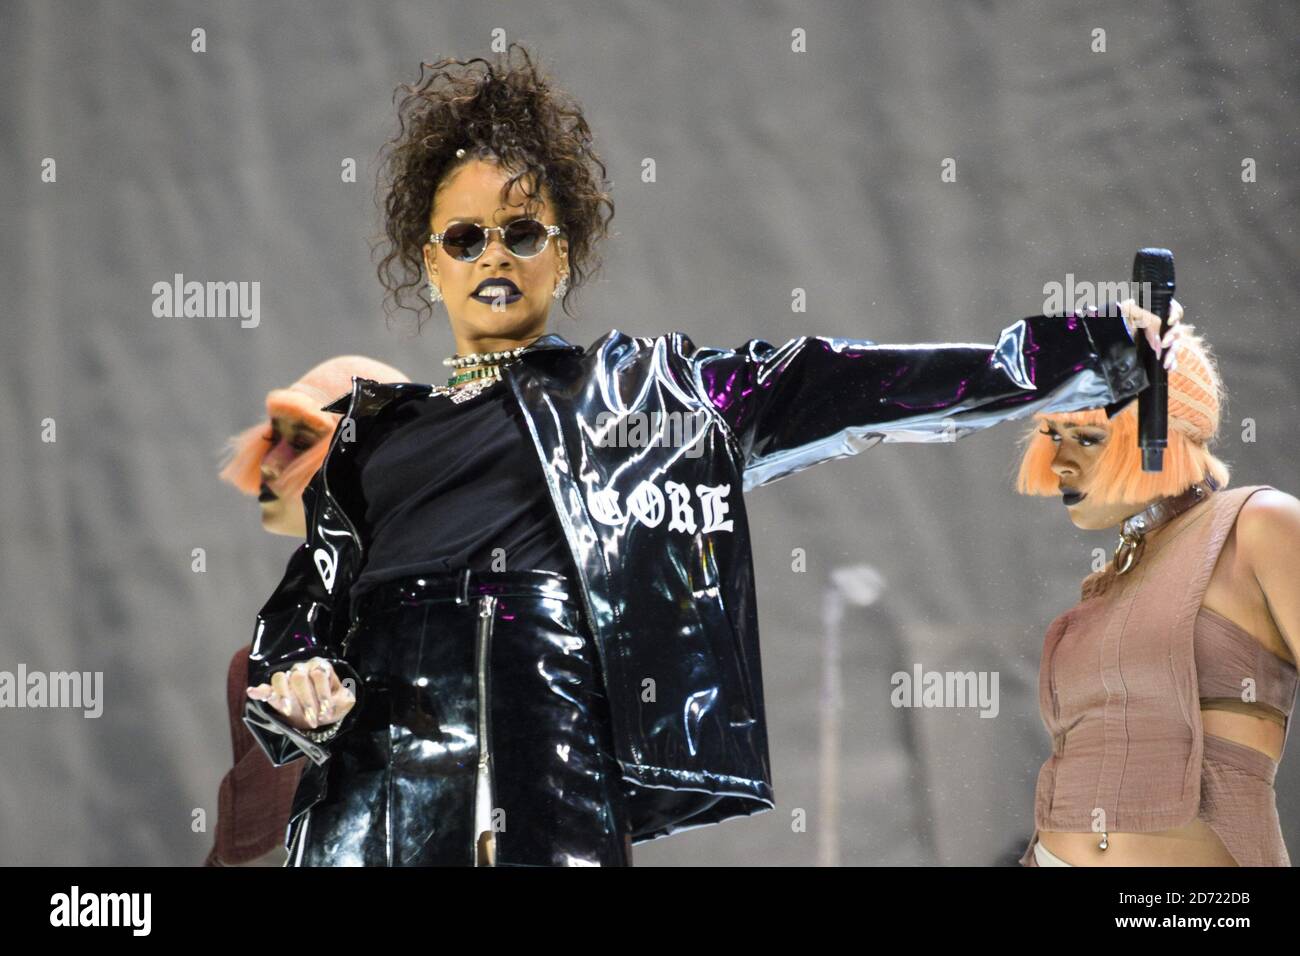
<point>1153,275</point>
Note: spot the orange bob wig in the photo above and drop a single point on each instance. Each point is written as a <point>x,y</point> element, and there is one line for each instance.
<point>1195,396</point>
<point>301,401</point>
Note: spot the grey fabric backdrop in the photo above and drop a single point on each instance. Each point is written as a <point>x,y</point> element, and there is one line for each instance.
<point>775,170</point>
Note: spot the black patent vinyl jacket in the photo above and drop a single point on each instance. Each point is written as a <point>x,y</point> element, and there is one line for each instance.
<point>657,525</point>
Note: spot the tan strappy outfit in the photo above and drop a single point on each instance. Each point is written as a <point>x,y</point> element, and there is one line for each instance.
<point>1124,674</point>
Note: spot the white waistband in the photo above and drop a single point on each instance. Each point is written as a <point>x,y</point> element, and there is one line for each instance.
<point>1046,857</point>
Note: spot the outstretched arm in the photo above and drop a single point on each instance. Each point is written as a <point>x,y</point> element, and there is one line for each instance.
<point>816,397</point>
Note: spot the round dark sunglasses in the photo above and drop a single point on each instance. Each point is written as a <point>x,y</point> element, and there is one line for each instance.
<point>524,238</point>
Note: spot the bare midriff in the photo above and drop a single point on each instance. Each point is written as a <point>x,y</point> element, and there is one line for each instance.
<point>1196,843</point>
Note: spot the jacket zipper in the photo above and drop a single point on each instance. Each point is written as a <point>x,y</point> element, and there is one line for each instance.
<point>483,779</point>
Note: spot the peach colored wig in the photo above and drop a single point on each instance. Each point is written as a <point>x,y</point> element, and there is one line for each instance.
<point>1195,396</point>
<point>302,401</point>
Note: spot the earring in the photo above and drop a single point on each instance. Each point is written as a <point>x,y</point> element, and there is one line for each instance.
<point>561,286</point>
<point>434,293</point>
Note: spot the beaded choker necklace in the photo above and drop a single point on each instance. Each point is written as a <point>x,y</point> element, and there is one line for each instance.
<point>481,370</point>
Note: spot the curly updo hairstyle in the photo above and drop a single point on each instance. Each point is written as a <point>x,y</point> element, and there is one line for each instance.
<point>506,112</point>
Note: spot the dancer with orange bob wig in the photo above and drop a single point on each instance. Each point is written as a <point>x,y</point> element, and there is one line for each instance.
<point>277,470</point>
<point>274,460</point>
<point>1167,690</point>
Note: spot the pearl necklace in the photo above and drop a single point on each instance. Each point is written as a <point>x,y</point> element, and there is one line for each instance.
<point>482,358</point>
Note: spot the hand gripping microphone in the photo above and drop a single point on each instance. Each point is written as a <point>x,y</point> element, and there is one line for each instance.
<point>1153,270</point>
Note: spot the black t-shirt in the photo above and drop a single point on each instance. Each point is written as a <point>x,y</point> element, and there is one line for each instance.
<point>446,484</point>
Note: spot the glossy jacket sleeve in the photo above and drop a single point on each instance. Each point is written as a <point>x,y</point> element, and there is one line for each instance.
<point>298,622</point>
<point>816,397</point>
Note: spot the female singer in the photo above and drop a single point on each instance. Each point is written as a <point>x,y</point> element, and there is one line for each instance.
<point>273,461</point>
<point>522,629</point>
<point>1168,688</point>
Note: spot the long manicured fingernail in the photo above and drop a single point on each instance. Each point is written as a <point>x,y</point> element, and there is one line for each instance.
<point>311,716</point>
